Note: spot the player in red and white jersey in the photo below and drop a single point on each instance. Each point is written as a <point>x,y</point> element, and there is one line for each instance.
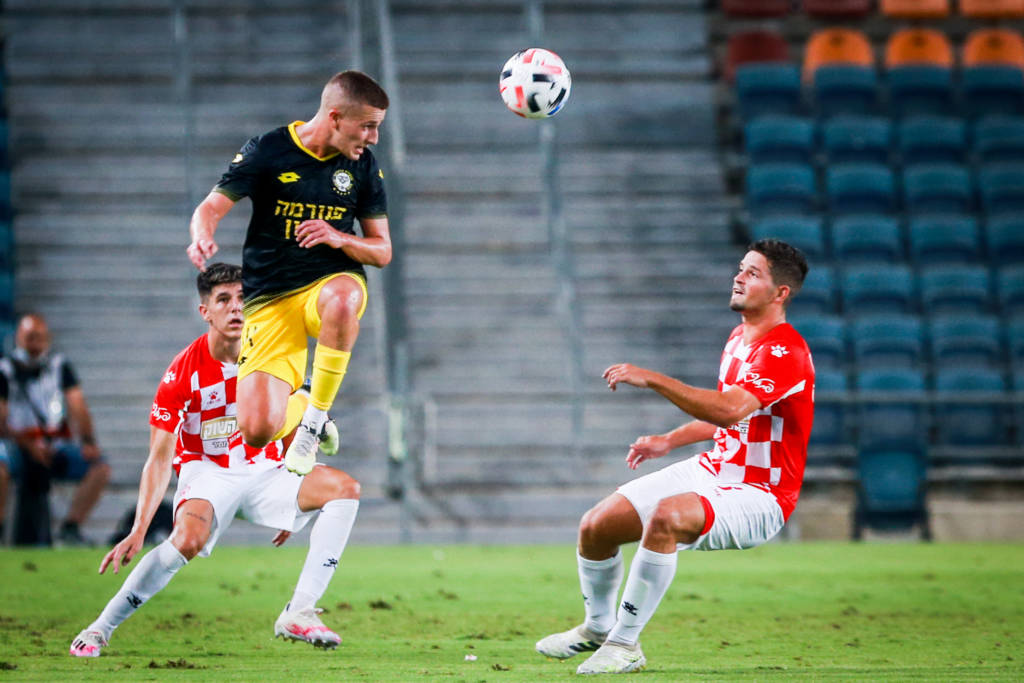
<point>736,495</point>
<point>193,431</point>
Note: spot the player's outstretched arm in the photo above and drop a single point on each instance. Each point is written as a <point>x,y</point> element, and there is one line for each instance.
<point>658,445</point>
<point>203,226</point>
<point>372,249</point>
<point>156,475</point>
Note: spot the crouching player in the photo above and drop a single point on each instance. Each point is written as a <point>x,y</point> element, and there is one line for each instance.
<point>193,430</point>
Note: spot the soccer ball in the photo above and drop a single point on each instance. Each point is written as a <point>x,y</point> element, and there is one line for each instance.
<point>535,83</point>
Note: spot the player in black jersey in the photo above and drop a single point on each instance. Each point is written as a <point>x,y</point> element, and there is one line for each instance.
<point>302,262</point>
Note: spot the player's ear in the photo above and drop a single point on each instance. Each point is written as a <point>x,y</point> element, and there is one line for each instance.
<point>782,293</point>
<point>204,312</point>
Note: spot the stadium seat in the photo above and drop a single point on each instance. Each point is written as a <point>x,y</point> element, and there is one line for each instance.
<point>999,138</point>
<point>878,288</point>
<point>803,232</point>
<point>1015,344</point>
<point>992,9</point>
<point>850,138</point>
<point>1001,186</point>
<point>993,46</point>
<point>6,295</point>
<point>916,89</point>
<point>944,239</point>
<point>892,409</point>
<point>970,422</point>
<point>817,295</point>
<point>779,138</point>
<point>860,188</point>
<point>829,416</point>
<point>891,489</point>
<point>756,8</point>
<point>932,139</point>
<point>966,341</point>
<point>993,89</point>
<point>955,289</point>
<point>767,88</point>
<point>1006,240</point>
<point>781,189</point>
<point>915,9</point>
<point>937,188</point>
<point>867,238</point>
<point>887,340</point>
<point>826,337</point>
<point>1010,290</point>
<point>837,9</point>
<point>831,46</point>
<point>844,89</point>
<point>745,47</point>
<point>918,46</point>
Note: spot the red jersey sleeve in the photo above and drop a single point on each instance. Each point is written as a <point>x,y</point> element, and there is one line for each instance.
<point>777,370</point>
<point>171,398</point>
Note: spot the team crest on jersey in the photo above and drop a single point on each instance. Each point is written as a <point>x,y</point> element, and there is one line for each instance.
<point>342,181</point>
<point>778,350</point>
<point>169,377</point>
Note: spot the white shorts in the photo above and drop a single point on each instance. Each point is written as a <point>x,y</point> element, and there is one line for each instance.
<point>745,515</point>
<point>264,493</point>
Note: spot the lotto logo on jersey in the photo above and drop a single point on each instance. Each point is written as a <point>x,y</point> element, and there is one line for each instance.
<point>218,428</point>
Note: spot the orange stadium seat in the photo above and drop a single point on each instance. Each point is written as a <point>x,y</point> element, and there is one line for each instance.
<point>833,46</point>
<point>753,46</point>
<point>992,9</point>
<point>916,9</point>
<point>919,46</point>
<point>994,46</point>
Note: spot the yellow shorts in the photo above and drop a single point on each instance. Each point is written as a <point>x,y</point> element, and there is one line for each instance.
<point>275,336</point>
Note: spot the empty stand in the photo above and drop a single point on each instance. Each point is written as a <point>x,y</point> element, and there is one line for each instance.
<point>781,188</point>
<point>993,46</point>
<point>803,232</point>
<point>999,138</point>
<point>891,490</point>
<point>992,9</point>
<point>838,9</point>
<point>878,288</point>
<point>860,188</point>
<point>915,9</point>
<point>993,89</point>
<point>918,46</point>
<point>932,139</point>
<point>851,138</point>
<point>967,340</point>
<point>745,47</point>
<point>970,423</point>
<point>956,289</point>
<point>1010,290</point>
<point>779,138</point>
<point>1006,239</point>
<point>1001,186</point>
<point>945,238</point>
<point>756,8</point>
<point>826,337</point>
<point>886,340</point>
<point>818,293</point>
<point>937,188</point>
<point>766,88</point>
<point>832,46</point>
<point>867,238</point>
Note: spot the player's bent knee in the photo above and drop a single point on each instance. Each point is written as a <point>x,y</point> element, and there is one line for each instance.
<point>680,518</point>
<point>256,433</point>
<point>188,542</point>
<point>343,486</point>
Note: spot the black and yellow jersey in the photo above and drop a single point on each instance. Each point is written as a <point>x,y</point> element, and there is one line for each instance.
<point>289,184</point>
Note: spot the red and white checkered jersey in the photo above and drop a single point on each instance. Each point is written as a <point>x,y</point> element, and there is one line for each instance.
<point>196,401</point>
<point>768,447</point>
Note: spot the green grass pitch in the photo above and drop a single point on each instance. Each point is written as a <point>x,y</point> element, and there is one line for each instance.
<point>881,611</point>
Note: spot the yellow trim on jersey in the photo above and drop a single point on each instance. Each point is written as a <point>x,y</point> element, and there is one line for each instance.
<point>298,142</point>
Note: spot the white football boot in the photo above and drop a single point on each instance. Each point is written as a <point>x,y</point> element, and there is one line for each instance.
<point>306,626</point>
<point>570,643</point>
<point>613,658</point>
<point>301,455</point>
<point>330,440</point>
<point>87,644</point>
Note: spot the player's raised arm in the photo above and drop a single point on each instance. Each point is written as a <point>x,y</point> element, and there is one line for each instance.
<point>203,226</point>
<point>156,475</point>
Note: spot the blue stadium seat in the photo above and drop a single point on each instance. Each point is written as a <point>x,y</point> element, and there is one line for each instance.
<point>970,423</point>
<point>956,289</point>
<point>945,239</point>
<point>1006,239</point>
<point>844,89</point>
<point>999,138</point>
<point>1010,290</point>
<point>803,232</point>
<point>829,417</point>
<point>966,341</point>
<point>850,138</point>
<point>892,482</point>
<point>887,340</point>
<point>775,137</point>
<point>1001,186</point>
<point>826,337</point>
<point>781,189</point>
<point>937,188</point>
<point>1015,339</point>
<point>993,89</point>
<point>892,409</point>
<point>932,139</point>
<point>878,288</point>
<point>916,89</point>
<point>818,293</point>
<point>860,188</point>
<point>768,88</point>
<point>867,238</point>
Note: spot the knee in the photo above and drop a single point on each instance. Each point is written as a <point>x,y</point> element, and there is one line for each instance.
<point>677,519</point>
<point>591,528</point>
<point>256,432</point>
<point>188,542</point>
<point>343,486</point>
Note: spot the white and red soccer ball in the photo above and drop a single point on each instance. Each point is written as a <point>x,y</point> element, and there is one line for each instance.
<point>535,83</point>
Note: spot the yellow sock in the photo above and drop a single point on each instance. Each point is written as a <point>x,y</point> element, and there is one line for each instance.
<point>329,366</point>
<point>297,403</point>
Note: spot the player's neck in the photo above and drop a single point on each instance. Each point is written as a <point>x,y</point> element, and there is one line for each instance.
<point>757,324</point>
<point>315,136</point>
<point>223,349</point>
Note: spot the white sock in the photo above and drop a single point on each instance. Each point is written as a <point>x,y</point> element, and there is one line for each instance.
<point>314,418</point>
<point>599,582</point>
<point>326,543</point>
<point>151,574</point>
<point>649,577</point>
